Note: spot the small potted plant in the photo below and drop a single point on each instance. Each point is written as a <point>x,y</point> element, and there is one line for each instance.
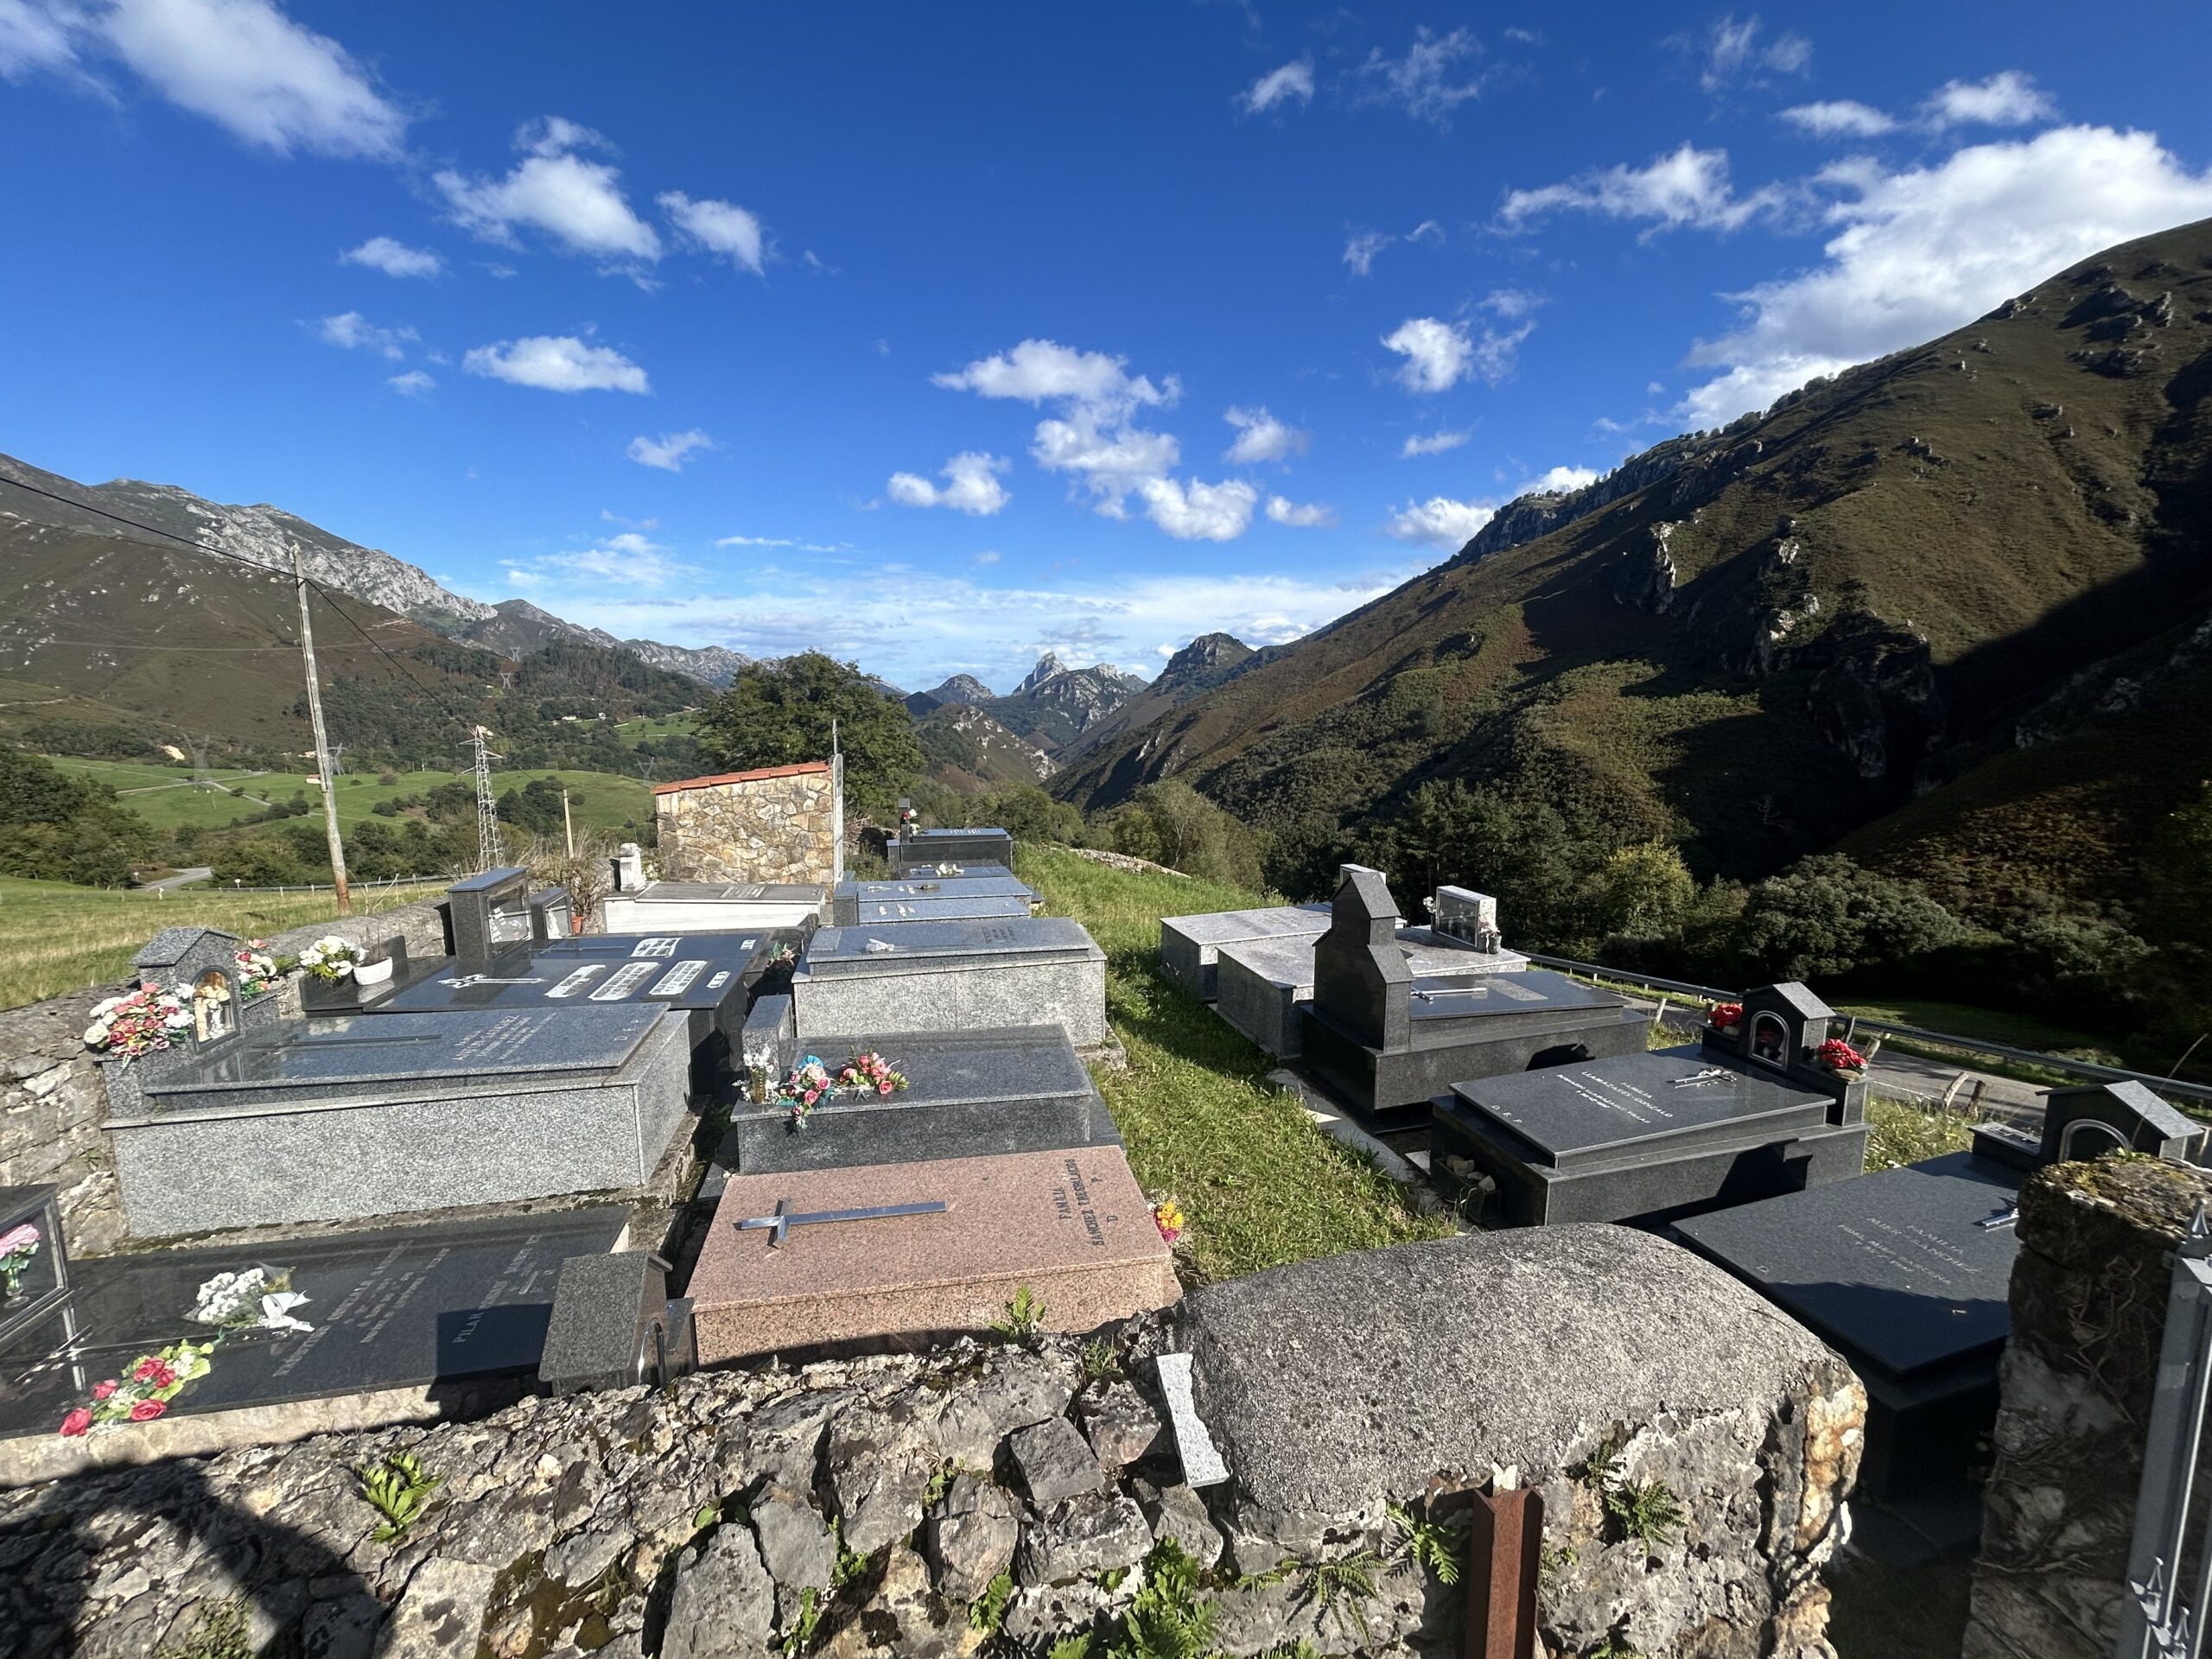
<point>1841,1058</point>
<point>331,968</point>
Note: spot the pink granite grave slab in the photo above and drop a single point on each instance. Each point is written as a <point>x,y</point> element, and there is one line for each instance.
<point>1073,1226</point>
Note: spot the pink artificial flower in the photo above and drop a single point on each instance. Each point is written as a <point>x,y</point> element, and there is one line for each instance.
<point>146,1368</point>
<point>78,1421</point>
<point>146,1410</point>
<point>101,1391</point>
<point>883,1088</point>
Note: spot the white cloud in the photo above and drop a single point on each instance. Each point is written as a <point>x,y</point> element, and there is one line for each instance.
<point>1690,186</point>
<point>413,384</point>
<point>1921,251</point>
<point>1437,354</point>
<point>1292,80</point>
<point>669,451</point>
<point>971,487</point>
<point>1361,247</point>
<point>350,331</point>
<point>2006,100</point>
<point>1111,456</point>
<point>393,258</point>
<point>1734,54</point>
<point>1511,303</point>
<point>577,202</point>
<point>242,64</point>
<point>1562,478</point>
<point>1038,370</point>
<point>1199,512</point>
<point>1260,437</point>
<point>782,542</point>
<point>988,555</point>
<point>1440,521</point>
<point>557,363</point>
<point>1301,516</point>
<point>1840,118</point>
<point>1431,443</point>
<point>623,561</point>
<point>721,227</point>
<point>1429,82</point>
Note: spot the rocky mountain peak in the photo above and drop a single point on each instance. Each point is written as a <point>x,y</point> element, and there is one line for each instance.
<point>1204,655</point>
<point>1048,666</point>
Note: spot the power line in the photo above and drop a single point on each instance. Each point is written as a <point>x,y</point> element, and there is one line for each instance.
<point>236,558</point>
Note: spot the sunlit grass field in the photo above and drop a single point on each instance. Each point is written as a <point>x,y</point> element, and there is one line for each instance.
<point>1261,1184</point>
<point>56,938</point>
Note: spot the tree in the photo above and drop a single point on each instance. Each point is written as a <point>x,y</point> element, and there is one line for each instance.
<point>1825,916</point>
<point>780,714</point>
<point>1640,891</point>
<point>60,827</point>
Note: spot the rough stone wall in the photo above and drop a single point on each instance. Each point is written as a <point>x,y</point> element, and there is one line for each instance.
<point>772,829</point>
<point>910,1505</point>
<point>2089,1302</point>
<point>52,1100</point>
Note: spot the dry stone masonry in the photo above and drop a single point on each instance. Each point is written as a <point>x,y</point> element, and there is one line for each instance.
<point>775,824</point>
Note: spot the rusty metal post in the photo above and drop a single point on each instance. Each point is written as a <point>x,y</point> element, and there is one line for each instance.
<point>1505,1547</point>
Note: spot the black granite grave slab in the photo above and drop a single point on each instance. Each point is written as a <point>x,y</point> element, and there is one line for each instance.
<point>848,900</point>
<point>839,951</point>
<point>391,1308</point>
<point>1640,1138</point>
<point>969,1095</point>
<point>1456,1027</point>
<point>960,907</point>
<point>1904,1273</point>
<point>912,849</point>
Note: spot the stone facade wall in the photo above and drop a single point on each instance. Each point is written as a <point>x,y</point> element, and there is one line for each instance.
<point>779,824</point>
<point>52,1100</point>
<point>978,1498</point>
<point>2089,1303</point>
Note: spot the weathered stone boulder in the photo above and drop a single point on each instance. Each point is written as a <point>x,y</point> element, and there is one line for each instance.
<point>2089,1303</point>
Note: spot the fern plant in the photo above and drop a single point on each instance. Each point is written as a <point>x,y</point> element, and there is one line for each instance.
<point>988,1612</point>
<point>800,1637</point>
<point>1023,1319</point>
<point>1166,1620</point>
<point>1340,1586</point>
<point>1101,1360</point>
<point>1438,1546</point>
<point>398,1489</point>
<point>1647,1510</point>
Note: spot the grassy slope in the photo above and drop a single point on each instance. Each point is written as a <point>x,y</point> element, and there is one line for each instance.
<point>55,938</point>
<point>1262,1184</point>
<point>160,795</point>
<point>2027,549</point>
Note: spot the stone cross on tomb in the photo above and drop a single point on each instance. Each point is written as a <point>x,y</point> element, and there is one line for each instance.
<point>780,1224</point>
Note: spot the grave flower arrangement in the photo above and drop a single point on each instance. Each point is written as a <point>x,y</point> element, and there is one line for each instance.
<point>143,1392</point>
<point>253,1299</point>
<point>782,957</point>
<point>811,1082</point>
<point>17,1246</point>
<point>1726,1016</point>
<point>1841,1058</point>
<point>148,1019</point>
<point>1168,1217</point>
<point>331,959</point>
<point>258,970</point>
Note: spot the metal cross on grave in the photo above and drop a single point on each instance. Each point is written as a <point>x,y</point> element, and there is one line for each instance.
<point>467,980</point>
<point>780,1224</point>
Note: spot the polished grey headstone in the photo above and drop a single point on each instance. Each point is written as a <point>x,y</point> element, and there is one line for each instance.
<point>614,1326</point>
<point>969,1095</point>
<point>972,975</point>
<point>1189,945</point>
<point>847,903</point>
<point>960,908</point>
<point>391,1307</point>
<point>912,849</point>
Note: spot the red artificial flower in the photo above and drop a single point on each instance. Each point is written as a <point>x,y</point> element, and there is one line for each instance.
<point>146,1410</point>
<point>78,1421</point>
<point>1725,1014</point>
<point>101,1391</point>
<point>145,1371</point>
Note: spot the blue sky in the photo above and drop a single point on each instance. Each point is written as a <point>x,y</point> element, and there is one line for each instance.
<point>937,336</point>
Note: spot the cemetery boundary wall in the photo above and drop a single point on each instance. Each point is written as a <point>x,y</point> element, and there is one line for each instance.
<point>51,1097</point>
<point>773,825</point>
<point>2088,1300</point>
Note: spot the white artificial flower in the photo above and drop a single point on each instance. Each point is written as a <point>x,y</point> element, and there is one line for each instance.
<point>95,1034</point>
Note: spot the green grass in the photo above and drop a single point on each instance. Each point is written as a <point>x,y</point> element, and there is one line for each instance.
<point>652,726</point>
<point>1964,1019</point>
<point>163,796</point>
<point>1261,1184</point>
<point>1902,1132</point>
<point>55,938</point>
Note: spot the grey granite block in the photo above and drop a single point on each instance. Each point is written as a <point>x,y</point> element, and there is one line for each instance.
<point>846,901</point>
<point>968,1094</point>
<point>950,977</point>
<point>914,849</point>
<point>1259,982</point>
<point>613,1325</point>
<point>1189,945</point>
<point>714,907</point>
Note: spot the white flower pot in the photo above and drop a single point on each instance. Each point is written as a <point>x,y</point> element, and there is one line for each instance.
<point>372,973</point>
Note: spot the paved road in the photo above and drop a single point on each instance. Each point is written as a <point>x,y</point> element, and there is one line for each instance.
<point>181,879</point>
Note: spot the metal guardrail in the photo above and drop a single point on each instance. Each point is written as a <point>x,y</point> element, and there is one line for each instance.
<point>2089,1070</point>
<point>213,885</point>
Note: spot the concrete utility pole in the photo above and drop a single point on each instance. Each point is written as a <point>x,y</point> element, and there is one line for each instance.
<point>567,824</point>
<point>322,743</point>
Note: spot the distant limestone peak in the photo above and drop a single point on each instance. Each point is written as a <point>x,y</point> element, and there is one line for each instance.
<point>1207,654</point>
<point>1048,666</point>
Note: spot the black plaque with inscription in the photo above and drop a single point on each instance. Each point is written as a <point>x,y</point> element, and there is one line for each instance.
<point>395,1308</point>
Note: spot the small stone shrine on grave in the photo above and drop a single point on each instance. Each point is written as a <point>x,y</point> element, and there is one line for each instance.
<point>952,976</point>
<point>918,851</point>
<point>505,957</point>
<point>856,901</point>
<point>1385,1039</point>
<point>1906,1271</point>
<point>397,1324</point>
<point>968,1095</point>
<point>255,1120</point>
<point>1190,946</point>
<point>1260,983</point>
<point>901,1253</point>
